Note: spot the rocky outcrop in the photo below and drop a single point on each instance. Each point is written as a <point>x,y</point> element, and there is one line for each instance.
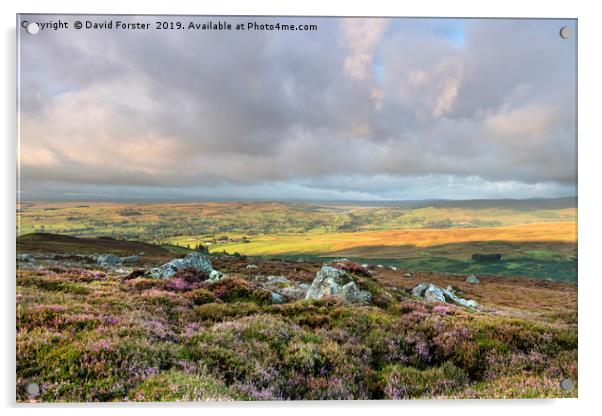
<point>351,294</point>
<point>419,290</point>
<point>453,297</point>
<point>432,293</point>
<point>197,261</point>
<point>334,282</point>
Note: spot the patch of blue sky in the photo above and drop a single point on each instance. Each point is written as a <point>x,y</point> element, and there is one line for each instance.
<point>452,30</point>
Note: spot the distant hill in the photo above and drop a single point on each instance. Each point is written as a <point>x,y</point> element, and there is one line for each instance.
<point>57,243</point>
<point>531,204</point>
<point>515,204</point>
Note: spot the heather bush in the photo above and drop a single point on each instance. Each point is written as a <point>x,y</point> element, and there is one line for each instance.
<point>174,385</point>
<point>351,267</point>
<point>191,275</point>
<point>408,382</point>
<point>90,337</point>
<point>142,283</point>
<point>201,296</point>
<point>218,312</point>
<point>234,289</point>
<point>178,284</point>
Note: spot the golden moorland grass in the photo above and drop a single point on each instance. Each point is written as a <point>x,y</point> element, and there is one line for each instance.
<point>321,243</point>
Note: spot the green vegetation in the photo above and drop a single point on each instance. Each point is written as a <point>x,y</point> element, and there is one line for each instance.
<point>86,335</point>
<point>211,220</point>
<point>537,238</point>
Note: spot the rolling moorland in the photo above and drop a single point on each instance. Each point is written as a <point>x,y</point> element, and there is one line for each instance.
<point>94,323</point>
<point>537,238</point>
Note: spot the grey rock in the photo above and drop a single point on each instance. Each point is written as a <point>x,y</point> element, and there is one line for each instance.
<point>420,289</point>
<point>434,294</point>
<point>129,259</point>
<point>26,257</point>
<point>328,281</point>
<point>351,294</point>
<point>277,279</point>
<point>251,266</point>
<point>196,260</point>
<point>294,293</point>
<point>453,298</point>
<point>393,268</point>
<point>107,259</point>
<point>472,279</point>
<point>215,275</point>
<point>277,298</point>
<point>334,282</point>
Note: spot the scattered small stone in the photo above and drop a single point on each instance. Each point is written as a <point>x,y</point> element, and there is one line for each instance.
<point>408,275</point>
<point>251,266</point>
<point>215,275</point>
<point>277,279</point>
<point>432,293</point>
<point>393,268</point>
<point>26,257</point>
<point>472,279</point>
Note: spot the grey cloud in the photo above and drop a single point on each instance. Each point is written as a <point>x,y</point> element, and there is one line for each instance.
<point>192,111</point>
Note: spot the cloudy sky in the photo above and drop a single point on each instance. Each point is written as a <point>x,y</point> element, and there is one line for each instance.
<point>361,109</point>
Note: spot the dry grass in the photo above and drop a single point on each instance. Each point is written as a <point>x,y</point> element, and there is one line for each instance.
<point>322,243</point>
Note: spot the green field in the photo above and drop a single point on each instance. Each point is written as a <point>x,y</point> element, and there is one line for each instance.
<point>537,238</point>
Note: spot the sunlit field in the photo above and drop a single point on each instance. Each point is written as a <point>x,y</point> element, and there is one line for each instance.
<point>324,243</point>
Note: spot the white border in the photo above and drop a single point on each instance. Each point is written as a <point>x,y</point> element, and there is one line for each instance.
<point>590,209</point>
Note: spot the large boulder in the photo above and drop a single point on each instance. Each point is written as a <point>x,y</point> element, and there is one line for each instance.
<point>420,289</point>
<point>196,260</point>
<point>334,282</point>
<point>351,294</point>
<point>434,294</point>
